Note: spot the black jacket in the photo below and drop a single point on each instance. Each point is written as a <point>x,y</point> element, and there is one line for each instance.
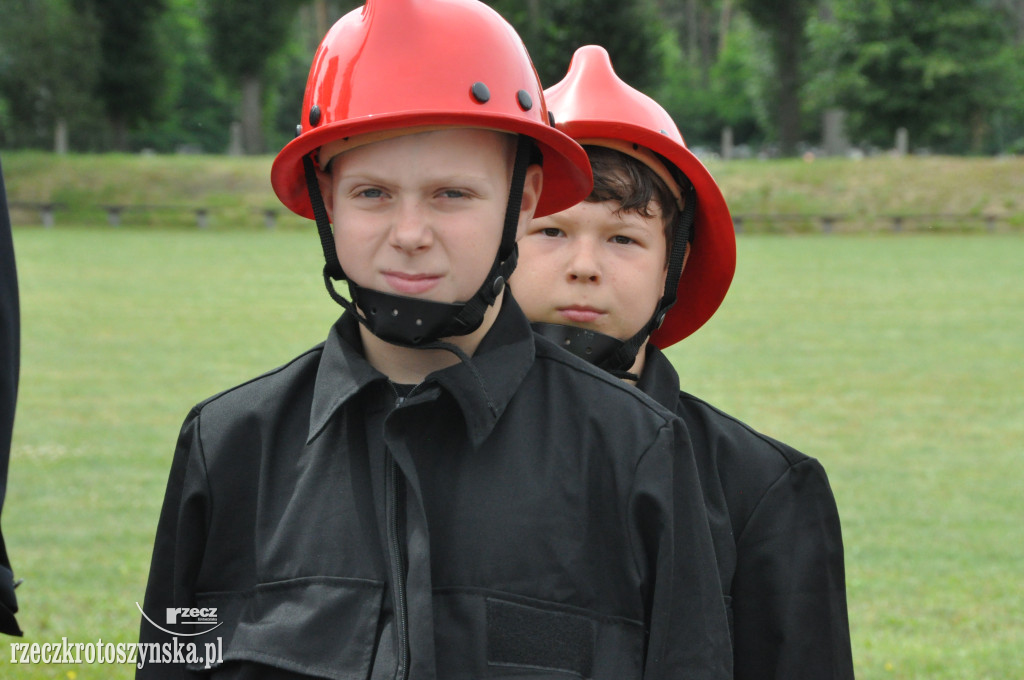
<point>777,536</point>
<point>10,343</point>
<point>525,516</point>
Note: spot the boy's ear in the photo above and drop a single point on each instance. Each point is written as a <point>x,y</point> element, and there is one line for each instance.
<point>531,196</point>
<point>686,257</point>
<point>323,179</point>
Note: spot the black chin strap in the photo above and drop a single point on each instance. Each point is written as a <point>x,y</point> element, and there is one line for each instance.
<point>413,322</point>
<point>587,344</point>
<point>618,356</point>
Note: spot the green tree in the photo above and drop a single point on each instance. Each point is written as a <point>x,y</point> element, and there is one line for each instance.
<point>553,29</point>
<point>245,37</point>
<point>287,71</point>
<point>947,70</point>
<point>131,64</point>
<point>699,58</point>
<point>48,57</point>
<point>784,21</point>
<point>195,94</point>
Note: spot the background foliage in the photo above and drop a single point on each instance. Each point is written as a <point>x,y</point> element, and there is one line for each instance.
<point>174,75</point>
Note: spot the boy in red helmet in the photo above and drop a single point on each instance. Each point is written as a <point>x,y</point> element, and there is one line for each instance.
<point>412,498</point>
<point>602,279</point>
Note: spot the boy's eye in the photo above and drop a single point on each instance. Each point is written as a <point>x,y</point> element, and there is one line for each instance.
<point>371,193</point>
<point>453,193</point>
<point>622,240</point>
<point>551,232</point>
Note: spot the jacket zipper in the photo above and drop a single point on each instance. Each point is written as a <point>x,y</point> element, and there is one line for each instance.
<point>395,507</point>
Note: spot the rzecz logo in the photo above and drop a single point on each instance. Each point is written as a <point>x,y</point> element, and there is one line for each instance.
<point>187,616</point>
<point>194,616</point>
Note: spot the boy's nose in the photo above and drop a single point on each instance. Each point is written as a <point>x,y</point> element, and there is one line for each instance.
<point>411,229</point>
<point>583,266</point>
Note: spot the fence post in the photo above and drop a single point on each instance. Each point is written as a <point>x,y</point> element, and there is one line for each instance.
<point>46,211</point>
<point>902,142</point>
<point>834,135</point>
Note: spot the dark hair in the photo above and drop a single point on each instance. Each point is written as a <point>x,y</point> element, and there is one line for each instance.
<point>624,179</point>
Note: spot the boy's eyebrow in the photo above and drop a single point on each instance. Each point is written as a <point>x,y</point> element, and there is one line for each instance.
<point>371,176</point>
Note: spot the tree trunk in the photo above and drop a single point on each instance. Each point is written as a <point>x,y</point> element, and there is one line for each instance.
<point>784,22</point>
<point>1019,7</point>
<point>979,131</point>
<point>534,24</point>
<point>787,59</point>
<point>704,40</point>
<point>691,31</point>
<point>724,23</point>
<point>320,18</point>
<point>252,114</point>
<point>120,130</point>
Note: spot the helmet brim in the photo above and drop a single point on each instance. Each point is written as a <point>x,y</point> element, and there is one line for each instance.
<point>567,179</point>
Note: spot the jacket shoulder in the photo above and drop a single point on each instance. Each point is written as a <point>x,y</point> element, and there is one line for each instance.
<point>717,425</point>
<point>611,392</point>
<point>748,466</point>
<point>266,388</point>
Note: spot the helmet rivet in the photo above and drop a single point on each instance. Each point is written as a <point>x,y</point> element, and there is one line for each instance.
<point>525,103</point>
<point>661,319</point>
<point>480,92</point>
<point>499,285</point>
<point>298,129</point>
<point>551,119</point>
<point>662,132</point>
<point>314,115</point>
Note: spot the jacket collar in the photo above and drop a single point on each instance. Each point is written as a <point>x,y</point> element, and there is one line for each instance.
<point>660,381</point>
<point>482,390</point>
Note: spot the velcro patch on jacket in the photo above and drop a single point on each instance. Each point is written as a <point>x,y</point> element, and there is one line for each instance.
<point>529,637</point>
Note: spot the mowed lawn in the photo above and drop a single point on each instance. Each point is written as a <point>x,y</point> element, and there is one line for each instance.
<point>896,360</point>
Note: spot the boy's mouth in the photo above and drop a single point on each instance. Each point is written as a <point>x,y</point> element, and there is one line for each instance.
<point>580,313</point>
<point>411,284</point>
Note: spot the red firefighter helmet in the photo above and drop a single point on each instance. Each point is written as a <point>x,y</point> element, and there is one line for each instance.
<point>393,65</point>
<point>592,104</point>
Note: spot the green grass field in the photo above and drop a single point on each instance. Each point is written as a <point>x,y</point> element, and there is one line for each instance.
<point>896,360</point>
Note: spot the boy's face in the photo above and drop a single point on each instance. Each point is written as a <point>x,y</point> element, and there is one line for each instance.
<point>421,215</point>
<point>593,267</point>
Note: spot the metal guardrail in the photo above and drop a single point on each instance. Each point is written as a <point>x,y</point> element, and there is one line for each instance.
<point>786,222</point>
<point>116,214</point>
<point>894,222</point>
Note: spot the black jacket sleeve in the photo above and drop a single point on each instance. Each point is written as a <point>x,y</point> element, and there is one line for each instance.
<point>789,593</point>
<point>177,550</point>
<point>689,633</point>
<point>10,338</point>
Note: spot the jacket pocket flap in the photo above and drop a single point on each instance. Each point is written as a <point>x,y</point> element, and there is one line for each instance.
<point>323,626</point>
